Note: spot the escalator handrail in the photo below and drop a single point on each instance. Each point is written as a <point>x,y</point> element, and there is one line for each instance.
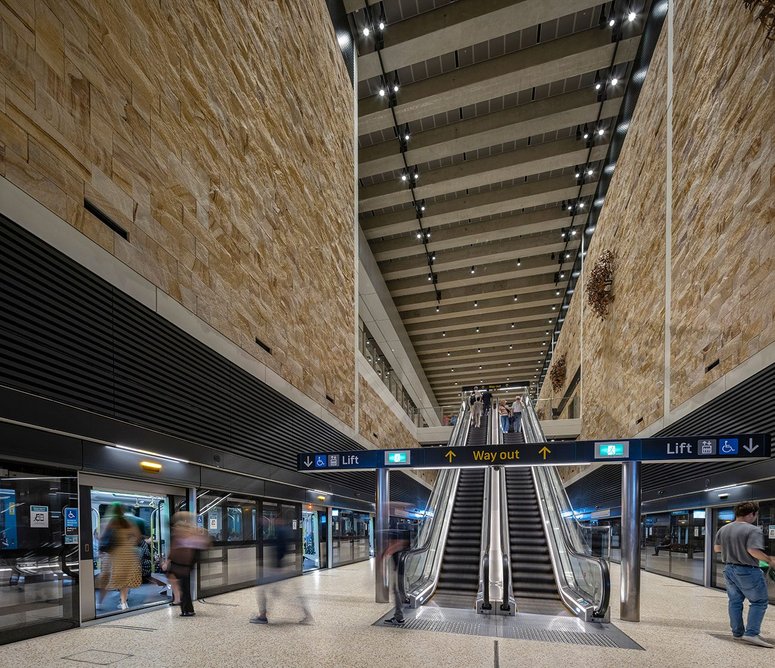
<point>461,427</point>
<point>602,565</point>
<point>508,585</point>
<point>484,549</point>
<point>496,437</point>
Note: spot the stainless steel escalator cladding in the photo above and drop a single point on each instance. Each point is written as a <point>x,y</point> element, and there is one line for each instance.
<point>581,577</point>
<point>446,561</point>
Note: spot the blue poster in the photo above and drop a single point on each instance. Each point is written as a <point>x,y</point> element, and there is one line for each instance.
<point>8,539</point>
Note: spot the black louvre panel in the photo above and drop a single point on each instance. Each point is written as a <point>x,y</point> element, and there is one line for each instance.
<point>67,335</point>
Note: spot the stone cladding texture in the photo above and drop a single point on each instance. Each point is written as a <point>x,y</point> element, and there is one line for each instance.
<point>376,418</point>
<point>723,301</point>
<point>723,224</point>
<point>219,135</point>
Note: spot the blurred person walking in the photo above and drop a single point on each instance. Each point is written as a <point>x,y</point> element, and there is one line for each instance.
<point>398,542</point>
<point>486,400</point>
<point>120,541</point>
<point>741,545</point>
<point>284,538</point>
<point>188,540</point>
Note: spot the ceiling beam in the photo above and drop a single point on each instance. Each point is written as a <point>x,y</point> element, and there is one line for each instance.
<point>424,342</point>
<point>485,276</point>
<point>434,33</point>
<point>489,203</point>
<point>544,63</point>
<point>475,232</point>
<point>535,315</point>
<point>527,120</point>
<point>486,306</point>
<point>513,286</point>
<point>508,250</point>
<point>518,164</point>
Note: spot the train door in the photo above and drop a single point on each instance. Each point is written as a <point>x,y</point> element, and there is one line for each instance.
<point>129,530</point>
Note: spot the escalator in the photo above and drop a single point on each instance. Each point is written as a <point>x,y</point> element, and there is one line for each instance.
<point>459,577</point>
<point>534,586</point>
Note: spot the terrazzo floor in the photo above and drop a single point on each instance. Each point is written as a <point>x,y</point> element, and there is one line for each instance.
<point>683,625</point>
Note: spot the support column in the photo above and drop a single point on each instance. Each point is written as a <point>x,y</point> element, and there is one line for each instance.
<point>381,531</point>
<point>710,557</point>
<point>629,604</point>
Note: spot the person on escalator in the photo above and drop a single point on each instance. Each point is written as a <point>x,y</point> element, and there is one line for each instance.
<point>486,400</point>
<point>472,396</point>
<point>516,415</point>
<point>503,413</point>
<point>399,541</point>
<point>477,409</point>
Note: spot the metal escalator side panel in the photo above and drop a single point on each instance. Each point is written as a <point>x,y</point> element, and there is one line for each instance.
<point>558,543</point>
<point>431,549</point>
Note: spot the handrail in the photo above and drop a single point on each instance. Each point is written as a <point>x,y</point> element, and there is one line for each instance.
<point>508,602</point>
<point>448,478</point>
<point>484,547</point>
<point>532,425</point>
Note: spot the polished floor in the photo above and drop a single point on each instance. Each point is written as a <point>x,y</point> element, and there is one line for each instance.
<point>683,625</point>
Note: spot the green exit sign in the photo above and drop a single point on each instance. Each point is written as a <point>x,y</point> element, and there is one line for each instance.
<point>616,450</point>
<point>397,457</point>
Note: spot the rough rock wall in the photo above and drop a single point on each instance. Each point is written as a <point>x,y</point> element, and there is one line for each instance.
<point>219,136</point>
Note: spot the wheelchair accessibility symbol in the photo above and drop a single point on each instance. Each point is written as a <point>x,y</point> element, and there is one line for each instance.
<point>727,446</point>
<point>320,461</point>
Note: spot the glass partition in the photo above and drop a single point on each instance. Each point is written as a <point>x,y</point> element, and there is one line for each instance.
<point>38,551</point>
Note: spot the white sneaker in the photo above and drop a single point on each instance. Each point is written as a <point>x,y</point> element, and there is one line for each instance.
<point>758,641</point>
<point>123,606</point>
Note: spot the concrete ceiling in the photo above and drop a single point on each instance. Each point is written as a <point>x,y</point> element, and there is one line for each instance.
<point>494,94</point>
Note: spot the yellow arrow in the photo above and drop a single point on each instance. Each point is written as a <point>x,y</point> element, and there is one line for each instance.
<point>450,455</point>
<point>545,451</point>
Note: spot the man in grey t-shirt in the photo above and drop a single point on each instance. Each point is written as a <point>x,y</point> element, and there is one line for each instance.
<point>741,544</point>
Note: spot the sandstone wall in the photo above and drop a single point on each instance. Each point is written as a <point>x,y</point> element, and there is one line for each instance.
<point>219,136</point>
<point>378,424</point>
<point>723,219</point>
<point>723,301</point>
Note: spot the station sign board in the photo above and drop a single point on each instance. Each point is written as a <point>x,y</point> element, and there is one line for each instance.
<point>668,449</point>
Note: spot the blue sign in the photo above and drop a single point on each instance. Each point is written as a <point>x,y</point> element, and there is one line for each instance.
<point>71,517</point>
<point>727,446</point>
<point>666,449</point>
<point>71,525</point>
<point>8,537</point>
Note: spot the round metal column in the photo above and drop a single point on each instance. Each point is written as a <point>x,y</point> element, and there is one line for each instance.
<point>629,608</point>
<point>381,531</point>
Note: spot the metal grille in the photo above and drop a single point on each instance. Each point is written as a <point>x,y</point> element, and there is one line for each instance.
<point>542,628</point>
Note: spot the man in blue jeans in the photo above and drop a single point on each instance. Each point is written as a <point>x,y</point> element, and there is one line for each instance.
<point>741,544</point>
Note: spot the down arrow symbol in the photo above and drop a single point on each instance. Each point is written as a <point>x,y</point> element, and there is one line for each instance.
<point>750,447</point>
<point>308,462</point>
